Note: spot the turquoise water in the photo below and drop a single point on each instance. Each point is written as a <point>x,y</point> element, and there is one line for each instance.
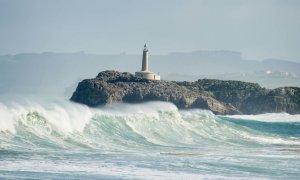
<point>155,140</point>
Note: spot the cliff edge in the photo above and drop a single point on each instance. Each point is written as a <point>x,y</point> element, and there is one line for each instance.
<point>221,97</point>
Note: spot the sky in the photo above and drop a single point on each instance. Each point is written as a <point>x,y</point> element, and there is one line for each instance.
<point>258,28</point>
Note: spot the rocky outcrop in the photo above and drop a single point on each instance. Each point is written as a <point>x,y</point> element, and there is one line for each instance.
<point>221,97</point>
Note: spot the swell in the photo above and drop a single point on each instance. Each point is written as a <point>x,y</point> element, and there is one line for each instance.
<point>288,129</point>
<point>132,127</point>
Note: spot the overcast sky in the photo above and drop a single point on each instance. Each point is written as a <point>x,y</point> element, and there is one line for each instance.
<point>257,28</point>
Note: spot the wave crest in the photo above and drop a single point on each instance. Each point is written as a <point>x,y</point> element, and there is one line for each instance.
<point>123,126</point>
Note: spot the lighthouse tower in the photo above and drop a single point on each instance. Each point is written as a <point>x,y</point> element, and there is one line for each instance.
<point>145,73</point>
<point>145,59</point>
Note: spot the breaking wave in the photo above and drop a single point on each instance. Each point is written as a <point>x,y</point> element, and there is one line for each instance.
<point>133,127</point>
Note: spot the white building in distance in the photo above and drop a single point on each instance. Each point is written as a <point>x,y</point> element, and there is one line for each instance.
<point>145,73</point>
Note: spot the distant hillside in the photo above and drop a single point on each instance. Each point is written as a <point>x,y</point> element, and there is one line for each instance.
<point>35,73</point>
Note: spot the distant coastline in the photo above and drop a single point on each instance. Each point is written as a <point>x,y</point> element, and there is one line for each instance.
<point>35,72</point>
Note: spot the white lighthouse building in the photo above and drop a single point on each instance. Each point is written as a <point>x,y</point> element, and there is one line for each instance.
<point>145,73</point>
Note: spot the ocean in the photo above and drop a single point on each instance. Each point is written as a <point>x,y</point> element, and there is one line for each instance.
<point>155,140</point>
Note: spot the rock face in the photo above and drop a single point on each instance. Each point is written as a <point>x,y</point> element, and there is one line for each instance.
<point>221,97</point>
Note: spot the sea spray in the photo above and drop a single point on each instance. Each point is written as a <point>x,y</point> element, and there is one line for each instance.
<point>6,120</point>
<point>154,137</point>
<point>150,123</point>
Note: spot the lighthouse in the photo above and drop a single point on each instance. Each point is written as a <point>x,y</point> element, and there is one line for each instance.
<point>145,73</point>
<point>145,59</point>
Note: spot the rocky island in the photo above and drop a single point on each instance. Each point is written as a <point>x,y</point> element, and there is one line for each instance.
<point>221,97</point>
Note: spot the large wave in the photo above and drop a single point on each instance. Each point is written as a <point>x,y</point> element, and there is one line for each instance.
<point>66,125</point>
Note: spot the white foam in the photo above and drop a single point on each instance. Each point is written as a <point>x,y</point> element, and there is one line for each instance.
<point>149,108</point>
<point>68,117</point>
<point>100,169</point>
<point>6,120</point>
<point>157,122</point>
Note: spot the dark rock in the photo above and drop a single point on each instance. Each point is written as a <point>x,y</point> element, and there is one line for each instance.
<point>221,97</point>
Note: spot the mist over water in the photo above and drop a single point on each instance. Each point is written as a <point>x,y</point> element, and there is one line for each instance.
<point>57,74</point>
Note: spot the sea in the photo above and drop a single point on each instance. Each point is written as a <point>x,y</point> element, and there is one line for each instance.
<point>155,140</point>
